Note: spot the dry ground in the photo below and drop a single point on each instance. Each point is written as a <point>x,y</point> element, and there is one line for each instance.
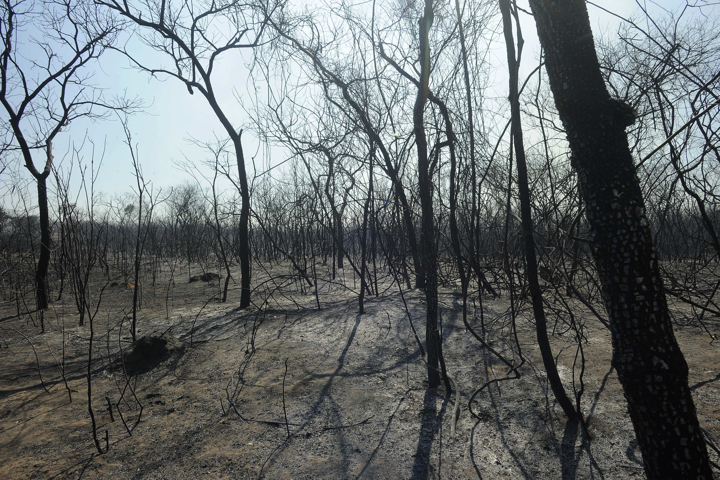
<point>328,394</point>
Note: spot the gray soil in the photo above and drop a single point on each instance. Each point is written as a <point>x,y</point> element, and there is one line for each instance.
<point>324,394</point>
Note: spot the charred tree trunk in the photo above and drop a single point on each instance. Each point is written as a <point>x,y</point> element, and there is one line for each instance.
<point>339,234</point>
<point>41,285</point>
<point>403,242</point>
<point>42,294</point>
<point>527,222</point>
<point>650,365</point>
<point>337,213</point>
<point>363,237</point>
<point>427,239</point>
<point>219,236</point>
<point>244,227</point>
<point>136,265</point>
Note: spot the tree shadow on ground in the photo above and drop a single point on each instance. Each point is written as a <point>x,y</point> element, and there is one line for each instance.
<point>431,424</point>
<point>384,435</point>
<point>316,407</point>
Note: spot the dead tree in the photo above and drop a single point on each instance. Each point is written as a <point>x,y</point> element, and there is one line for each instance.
<point>193,37</point>
<point>527,222</point>
<point>427,239</point>
<point>354,107</point>
<point>646,355</point>
<point>42,99</point>
<point>146,201</point>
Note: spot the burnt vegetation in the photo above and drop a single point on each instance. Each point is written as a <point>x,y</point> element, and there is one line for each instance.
<point>532,237</point>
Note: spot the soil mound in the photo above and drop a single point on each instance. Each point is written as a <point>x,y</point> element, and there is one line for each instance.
<point>205,277</point>
<point>146,354</point>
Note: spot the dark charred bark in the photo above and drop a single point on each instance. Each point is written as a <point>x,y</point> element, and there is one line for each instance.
<point>427,238</point>
<point>363,238</point>
<point>527,223</point>
<point>41,285</point>
<point>42,294</point>
<point>219,236</point>
<point>244,227</point>
<point>403,242</point>
<point>138,258</point>
<point>339,234</point>
<point>650,365</point>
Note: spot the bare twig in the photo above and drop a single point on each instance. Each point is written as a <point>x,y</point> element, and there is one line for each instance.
<point>287,426</point>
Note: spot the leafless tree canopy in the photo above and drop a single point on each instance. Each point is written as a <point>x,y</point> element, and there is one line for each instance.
<point>413,157</point>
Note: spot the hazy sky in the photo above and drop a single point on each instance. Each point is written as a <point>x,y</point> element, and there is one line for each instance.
<point>173,116</point>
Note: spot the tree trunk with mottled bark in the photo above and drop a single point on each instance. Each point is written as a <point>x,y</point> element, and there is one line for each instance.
<point>650,365</point>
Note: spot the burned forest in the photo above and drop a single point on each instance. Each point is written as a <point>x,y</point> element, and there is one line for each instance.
<point>343,240</point>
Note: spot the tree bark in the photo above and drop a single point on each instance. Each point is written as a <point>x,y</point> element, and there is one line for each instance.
<point>650,365</point>
<point>527,222</point>
<point>363,237</point>
<point>41,286</point>
<point>138,257</point>
<point>244,227</point>
<point>427,240</point>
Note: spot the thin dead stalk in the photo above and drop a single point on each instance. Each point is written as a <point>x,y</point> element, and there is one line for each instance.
<point>287,425</point>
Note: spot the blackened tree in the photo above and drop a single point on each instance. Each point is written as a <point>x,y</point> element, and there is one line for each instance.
<point>193,37</point>
<point>46,87</point>
<point>646,355</point>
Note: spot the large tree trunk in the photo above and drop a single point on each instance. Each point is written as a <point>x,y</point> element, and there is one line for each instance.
<point>41,284</point>
<point>650,365</point>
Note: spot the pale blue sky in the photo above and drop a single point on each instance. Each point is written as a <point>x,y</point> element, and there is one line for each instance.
<point>172,115</point>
